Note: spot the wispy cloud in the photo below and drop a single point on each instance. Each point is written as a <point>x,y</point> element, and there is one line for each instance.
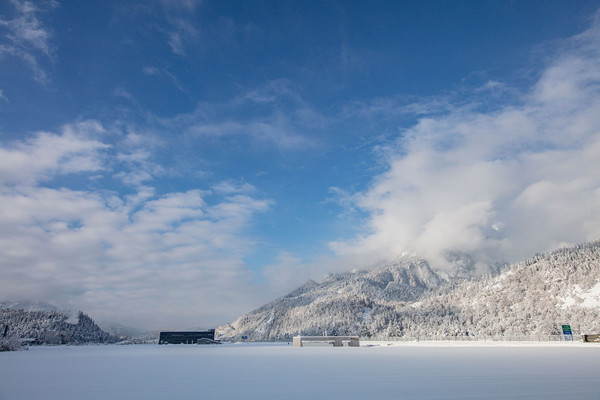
<point>231,187</point>
<point>182,33</point>
<point>499,185</point>
<point>3,97</point>
<point>26,37</point>
<point>153,71</point>
<point>275,132</point>
<point>272,115</point>
<point>181,5</point>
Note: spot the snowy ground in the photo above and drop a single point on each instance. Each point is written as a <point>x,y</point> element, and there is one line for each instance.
<point>267,371</point>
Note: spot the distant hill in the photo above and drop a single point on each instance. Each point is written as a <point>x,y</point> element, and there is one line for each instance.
<point>28,306</point>
<point>408,298</point>
<point>120,330</point>
<point>53,327</point>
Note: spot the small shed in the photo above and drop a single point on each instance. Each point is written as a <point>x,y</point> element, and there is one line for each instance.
<point>591,338</point>
<point>326,341</point>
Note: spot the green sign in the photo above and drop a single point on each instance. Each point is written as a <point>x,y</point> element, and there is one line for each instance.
<point>567,330</point>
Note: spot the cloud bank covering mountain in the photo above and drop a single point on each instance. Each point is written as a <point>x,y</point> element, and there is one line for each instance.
<point>175,165</point>
<point>497,182</point>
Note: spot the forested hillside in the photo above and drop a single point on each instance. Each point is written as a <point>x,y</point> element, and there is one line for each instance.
<point>533,297</point>
<point>408,298</point>
<point>53,327</point>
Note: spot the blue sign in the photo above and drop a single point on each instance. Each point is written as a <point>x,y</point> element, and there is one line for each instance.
<point>567,332</point>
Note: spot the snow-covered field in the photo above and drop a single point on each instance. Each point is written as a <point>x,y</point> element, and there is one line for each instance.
<point>280,371</point>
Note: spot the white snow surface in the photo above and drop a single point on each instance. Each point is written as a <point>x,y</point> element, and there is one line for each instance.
<point>280,371</point>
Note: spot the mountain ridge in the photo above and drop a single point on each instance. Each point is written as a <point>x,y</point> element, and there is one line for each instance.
<point>339,302</point>
<point>408,298</point>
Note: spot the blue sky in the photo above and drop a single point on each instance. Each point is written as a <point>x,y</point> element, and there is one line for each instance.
<point>157,156</point>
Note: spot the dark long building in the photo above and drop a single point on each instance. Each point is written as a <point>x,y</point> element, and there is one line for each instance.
<point>190,337</point>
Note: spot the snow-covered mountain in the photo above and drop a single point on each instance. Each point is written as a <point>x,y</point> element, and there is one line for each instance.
<point>533,297</point>
<point>408,298</point>
<point>342,304</point>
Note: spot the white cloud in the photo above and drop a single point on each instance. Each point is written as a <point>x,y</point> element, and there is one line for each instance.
<point>499,185</point>
<point>73,150</point>
<point>133,258</point>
